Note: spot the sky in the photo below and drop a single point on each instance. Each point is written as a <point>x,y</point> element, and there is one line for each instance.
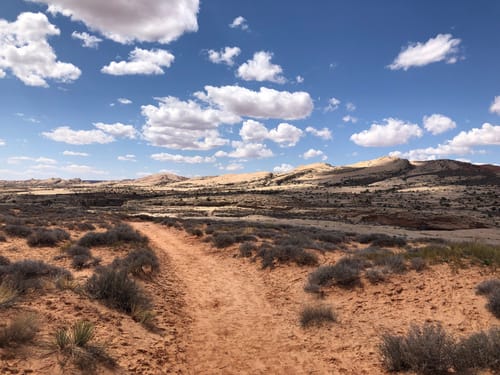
<point>120,89</point>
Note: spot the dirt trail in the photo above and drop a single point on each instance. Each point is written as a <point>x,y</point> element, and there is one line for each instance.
<point>235,328</point>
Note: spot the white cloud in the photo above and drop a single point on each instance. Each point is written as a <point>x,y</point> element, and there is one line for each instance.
<point>183,159</point>
<point>324,133</point>
<point>333,104</point>
<point>283,168</point>
<point>117,129</point>
<point>129,21</point>
<point>78,137</point>
<point>20,159</point>
<point>244,150</point>
<point>393,132</point>
<point>239,23</point>
<point>312,153</point>
<point>461,144</point>
<point>128,157</point>
<point>442,47</point>
<point>27,118</point>
<point>225,56</point>
<point>2,142</point>
<point>285,135</point>
<point>486,135</point>
<point>299,79</point>
<point>184,125</point>
<point>88,41</point>
<point>349,118</point>
<point>124,101</point>
<point>260,69</point>
<point>350,107</point>
<point>77,170</point>
<point>25,51</point>
<point>74,153</point>
<point>252,130</point>
<point>232,167</point>
<point>265,103</point>
<point>141,61</point>
<point>495,106</point>
<point>437,123</point>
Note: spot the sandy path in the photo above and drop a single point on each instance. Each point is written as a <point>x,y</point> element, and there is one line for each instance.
<point>235,328</point>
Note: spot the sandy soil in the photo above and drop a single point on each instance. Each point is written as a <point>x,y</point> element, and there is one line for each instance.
<point>245,320</point>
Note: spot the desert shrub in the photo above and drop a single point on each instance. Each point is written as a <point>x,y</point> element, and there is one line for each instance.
<point>22,329</point>
<point>195,232</point>
<point>381,239</point>
<point>85,226</point>
<point>17,230</point>
<point>7,294</point>
<point>4,261</point>
<point>376,274</point>
<point>221,240</point>
<point>245,238</point>
<point>27,274</point>
<point>493,304</point>
<point>78,250</point>
<point>3,238</point>
<point>486,287</point>
<point>286,254</point>
<point>373,253</point>
<point>317,316</point>
<point>246,249</point>
<point>394,263</point>
<point>114,287</point>
<point>81,261</point>
<point>330,237</point>
<point>141,262</point>
<point>426,350</point>
<point>75,344</point>
<point>47,237</point>
<point>456,253</point>
<point>345,273</point>
<point>478,351</point>
<point>121,233</point>
<point>418,264</point>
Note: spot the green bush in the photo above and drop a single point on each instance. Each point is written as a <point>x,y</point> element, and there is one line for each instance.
<point>317,316</point>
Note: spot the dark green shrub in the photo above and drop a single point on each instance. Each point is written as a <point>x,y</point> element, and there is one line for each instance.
<point>487,287</point>
<point>426,350</point>
<point>221,240</point>
<point>81,261</point>
<point>317,316</point>
<point>22,329</point>
<point>141,262</point>
<point>381,239</point>
<point>3,238</point>
<point>17,230</point>
<point>121,233</point>
<point>286,254</point>
<point>246,249</point>
<point>493,304</point>
<point>47,237</point>
<point>78,250</point>
<point>114,287</point>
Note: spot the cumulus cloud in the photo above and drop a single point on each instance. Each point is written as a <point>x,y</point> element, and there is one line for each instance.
<point>78,137</point>
<point>225,56</point>
<point>443,47</point>
<point>350,107</point>
<point>243,150</point>
<point>124,101</point>
<point>392,132</point>
<point>239,23</point>
<point>74,153</point>
<point>284,134</point>
<point>462,144</point>
<point>182,159</point>
<point>260,69</point>
<point>88,41</point>
<point>141,61</point>
<point>184,125</point>
<point>283,168</point>
<point>128,157</point>
<point>129,21</point>
<point>299,79</point>
<point>232,167</point>
<point>437,123</point>
<point>495,106</point>
<point>2,142</point>
<point>20,159</point>
<point>25,51</point>
<point>349,118</point>
<point>117,129</point>
<point>333,104</point>
<point>312,153</point>
<point>265,103</point>
<point>324,133</point>
<point>252,131</point>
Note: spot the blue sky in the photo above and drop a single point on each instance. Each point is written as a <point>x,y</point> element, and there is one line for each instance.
<point>118,89</point>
